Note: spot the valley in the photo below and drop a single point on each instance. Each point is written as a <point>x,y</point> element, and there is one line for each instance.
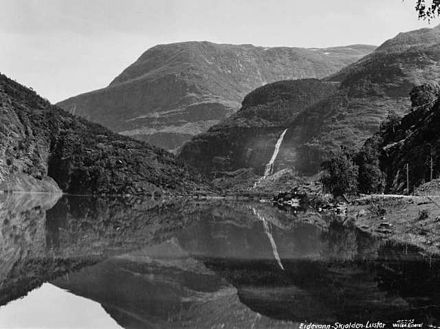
<point>176,91</point>
<point>172,182</point>
<point>323,183</point>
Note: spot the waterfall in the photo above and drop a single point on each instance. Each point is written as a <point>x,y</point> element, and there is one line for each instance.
<point>269,167</point>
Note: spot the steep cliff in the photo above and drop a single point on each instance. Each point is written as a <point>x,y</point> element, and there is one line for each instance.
<point>175,91</point>
<point>247,138</point>
<point>41,144</point>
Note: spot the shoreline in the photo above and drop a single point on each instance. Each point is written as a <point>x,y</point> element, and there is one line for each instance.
<point>413,220</point>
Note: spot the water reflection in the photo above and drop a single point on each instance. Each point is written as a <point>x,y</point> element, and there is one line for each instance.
<point>210,265</point>
<point>54,308</point>
<point>268,232</point>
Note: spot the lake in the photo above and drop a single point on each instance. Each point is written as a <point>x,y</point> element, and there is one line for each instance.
<point>85,262</point>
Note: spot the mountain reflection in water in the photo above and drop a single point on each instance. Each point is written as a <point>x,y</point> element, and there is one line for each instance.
<point>207,265</point>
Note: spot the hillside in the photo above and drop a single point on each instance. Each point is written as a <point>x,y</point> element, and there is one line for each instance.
<point>411,143</point>
<point>247,138</point>
<point>44,147</point>
<point>367,91</point>
<point>175,91</point>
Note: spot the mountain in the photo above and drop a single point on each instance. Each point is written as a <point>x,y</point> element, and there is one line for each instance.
<point>175,91</point>
<point>46,148</point>
<point>366,92</point>
<point>369,90</point>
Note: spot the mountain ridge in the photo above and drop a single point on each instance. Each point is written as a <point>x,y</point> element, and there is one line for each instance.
<point>175,91</point>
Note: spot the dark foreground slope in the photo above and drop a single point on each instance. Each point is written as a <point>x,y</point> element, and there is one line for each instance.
<point>410,147</point>
<point>175,91</point>
<point>40,144</point>
<point>367,91</point>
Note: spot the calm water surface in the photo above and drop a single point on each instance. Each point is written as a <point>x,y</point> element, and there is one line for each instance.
<point>110,263</point>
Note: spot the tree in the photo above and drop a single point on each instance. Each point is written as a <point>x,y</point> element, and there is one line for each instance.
<point>391,123</point>
<point>340,174</point>
<point>428,10</point>
<point>371,179</point>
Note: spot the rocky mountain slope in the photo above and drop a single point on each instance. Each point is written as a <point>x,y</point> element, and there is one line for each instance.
<point>175,91</point>
<point>247,138</point>
<point>367,90</point>
<point>410,147</point>
<point>43,147</point>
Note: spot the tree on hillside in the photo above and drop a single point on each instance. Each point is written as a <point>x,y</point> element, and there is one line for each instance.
<point>428,9</point>
<point>340,174</point>
<point>390,125</point>
<point>371,179</point>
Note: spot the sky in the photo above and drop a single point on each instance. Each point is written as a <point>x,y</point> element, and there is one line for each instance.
<point>62,48</point>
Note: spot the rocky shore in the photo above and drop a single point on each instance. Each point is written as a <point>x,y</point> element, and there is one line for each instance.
<point>413,220</point>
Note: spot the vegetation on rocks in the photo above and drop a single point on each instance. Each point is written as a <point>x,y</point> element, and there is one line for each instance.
<point>408,149</point>
<point>404,154</point>
<point>38,141</point>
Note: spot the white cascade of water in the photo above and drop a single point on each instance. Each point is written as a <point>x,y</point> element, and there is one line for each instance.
<point>269,167</point>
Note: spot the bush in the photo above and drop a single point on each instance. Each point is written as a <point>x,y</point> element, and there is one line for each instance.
<point>423,214</point>
<point>377,209</point>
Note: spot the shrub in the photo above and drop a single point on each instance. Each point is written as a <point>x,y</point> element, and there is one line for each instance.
<point>423,214</point>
